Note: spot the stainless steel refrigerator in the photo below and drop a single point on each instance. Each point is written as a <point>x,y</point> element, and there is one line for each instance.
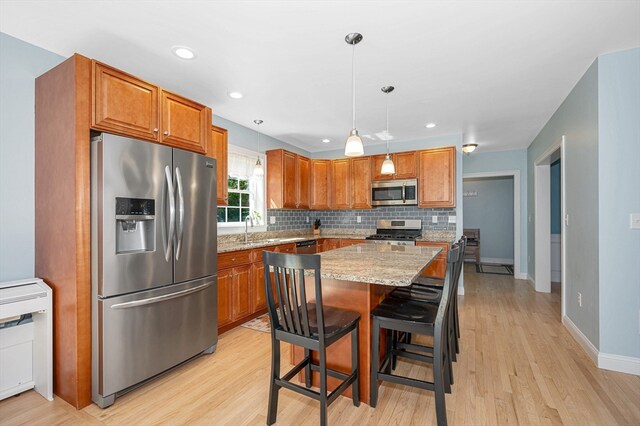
<point>154,262</point>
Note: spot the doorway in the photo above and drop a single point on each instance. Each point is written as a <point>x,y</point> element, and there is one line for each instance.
<point>544,261</point>
<point>506,174</point>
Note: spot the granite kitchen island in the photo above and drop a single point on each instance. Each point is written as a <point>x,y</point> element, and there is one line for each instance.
<point>358,278</point>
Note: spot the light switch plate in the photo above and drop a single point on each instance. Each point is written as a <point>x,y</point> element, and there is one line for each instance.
<point>634,221</point>
<point>434,219</point>
<point>358,219</point>
<point>272,219</point>
<point>452,219</point>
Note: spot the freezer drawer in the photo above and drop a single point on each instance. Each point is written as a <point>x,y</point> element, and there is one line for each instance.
<point>143,334</point>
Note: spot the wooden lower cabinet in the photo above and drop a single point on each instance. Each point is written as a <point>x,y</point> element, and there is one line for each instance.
<point>234,294</point>
<point>259,298</point>
<point>438,267</point>
<point>225,297</point>
<point>346,242</point>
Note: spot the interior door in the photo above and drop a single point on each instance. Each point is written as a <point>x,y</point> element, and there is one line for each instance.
<point>195,246</point>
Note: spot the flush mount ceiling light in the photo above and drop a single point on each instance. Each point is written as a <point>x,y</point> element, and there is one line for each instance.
<point>235,95</point>
<point>388,168</point>
<point>468,148</point>
<point>183,52</point>
<point>326,140</point>
<point>354,146</point>
<point>258,170</point>
<point>430,125</point>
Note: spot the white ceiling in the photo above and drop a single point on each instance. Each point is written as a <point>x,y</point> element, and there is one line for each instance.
<point>493,70</point>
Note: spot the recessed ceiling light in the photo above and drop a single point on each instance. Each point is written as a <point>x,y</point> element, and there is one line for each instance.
<point>326,140</point>
<point>430,125</point>
<point>183,52</point>
<point>235,95</point>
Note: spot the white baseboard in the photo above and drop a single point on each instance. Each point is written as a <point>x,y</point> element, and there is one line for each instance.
<point>623,364</point>
<point>582,340</point>
<point>531,281</point>
<point>521,276</point>
<point>497,260</point>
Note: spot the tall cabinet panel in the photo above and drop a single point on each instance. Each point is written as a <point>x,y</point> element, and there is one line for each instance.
<point>320,180</point>
<point>218,149</point>
<point>341,183</point>
<point>361,181</point>
<point>289,180</point>
<point>437,184</point>
<point>302,166</point>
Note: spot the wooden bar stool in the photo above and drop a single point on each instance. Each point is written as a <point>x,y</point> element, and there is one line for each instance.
<point>306,324</point>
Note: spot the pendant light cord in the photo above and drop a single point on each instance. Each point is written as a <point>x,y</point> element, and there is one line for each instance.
<point>353,82</point>
<point>387,127</point>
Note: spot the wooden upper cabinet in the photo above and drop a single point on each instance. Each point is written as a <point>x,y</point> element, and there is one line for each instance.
<point>218,149</point>
<point>437,177</point>
<point>406,164</point>
<point>303,167</point>
<point>124,104</point>
<point>320,182</point>
<point>287,180</point>
<point>361,182</point>
<point>341,183</point>
<point>185,124</point>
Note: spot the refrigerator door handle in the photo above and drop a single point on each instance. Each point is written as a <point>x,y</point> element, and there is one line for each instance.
<point>180,214</point>
<point>158,299</point>
<point>172,214</point>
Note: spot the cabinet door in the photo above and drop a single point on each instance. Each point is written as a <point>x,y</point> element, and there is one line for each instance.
<point>406,165</point>
<point>185,124</point>
<point>361,181</point>
<point>376,166</point>
<point>124,104</point>
<point>218,149</point>
<point>437,177</point>
<point>289,180</point>
<point>303,182</point>
<point>320,184</point>
<point>225,297</point>
<point>259,296</point>
<point>341,184</point>
<point>438,266</point>
<point>242,284</point>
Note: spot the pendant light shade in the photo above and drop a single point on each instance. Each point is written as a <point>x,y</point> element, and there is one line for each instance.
<point>258,170</point>
<point>354,146</point>
<point>388,168</point>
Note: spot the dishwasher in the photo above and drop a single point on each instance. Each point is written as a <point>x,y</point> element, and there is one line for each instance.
<point>307,247</point>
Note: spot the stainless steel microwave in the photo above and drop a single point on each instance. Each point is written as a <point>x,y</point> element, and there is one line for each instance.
<point>394,193</point>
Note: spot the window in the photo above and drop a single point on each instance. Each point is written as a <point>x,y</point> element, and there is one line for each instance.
<point>246,192</point>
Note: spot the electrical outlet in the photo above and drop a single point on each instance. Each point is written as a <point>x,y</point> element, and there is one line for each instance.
<point>434,219</point>
<point>580,299</point>
<point>566,219</point>
<point>358,219</point>
<point>452,219</point>
<point>272,219</point>
<point>634,220</point>
<point>307,219</point>
<point>529,258</point>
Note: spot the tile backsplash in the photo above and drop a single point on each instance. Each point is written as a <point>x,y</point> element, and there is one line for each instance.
<point>347,219</point>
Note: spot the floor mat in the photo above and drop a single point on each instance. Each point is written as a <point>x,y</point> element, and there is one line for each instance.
<point>488,268</point>
<point>260,323</point>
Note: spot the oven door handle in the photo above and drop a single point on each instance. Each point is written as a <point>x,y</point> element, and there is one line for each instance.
<point>403,197</point>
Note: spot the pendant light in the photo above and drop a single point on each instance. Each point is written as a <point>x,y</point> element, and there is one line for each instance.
<point>354,146</point>
<point>388,168</point>
<point>258,170</point>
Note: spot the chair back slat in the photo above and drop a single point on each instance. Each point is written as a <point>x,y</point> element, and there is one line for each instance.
<point>289,280</point>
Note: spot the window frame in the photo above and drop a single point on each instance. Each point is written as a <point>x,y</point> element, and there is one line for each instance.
<point>226,228</point>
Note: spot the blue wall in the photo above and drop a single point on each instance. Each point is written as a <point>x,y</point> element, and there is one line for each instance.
<point>20,64</point>
<point>556,198</point>
<point>490,209</point>
<point>619,195</point>
<point>577,119</point>
<point>505,161</point>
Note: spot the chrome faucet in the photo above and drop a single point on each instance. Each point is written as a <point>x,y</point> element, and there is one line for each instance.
<point>246,228</point>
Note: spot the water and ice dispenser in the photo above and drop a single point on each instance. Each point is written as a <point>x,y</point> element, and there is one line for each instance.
<point>135,225</point>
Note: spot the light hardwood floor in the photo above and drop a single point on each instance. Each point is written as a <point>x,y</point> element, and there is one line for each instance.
<point>518,365</point>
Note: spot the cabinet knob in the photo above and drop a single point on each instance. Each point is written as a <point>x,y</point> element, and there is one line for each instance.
<point>233,259</point>
<point>166,133</point>
<point>155,130</point>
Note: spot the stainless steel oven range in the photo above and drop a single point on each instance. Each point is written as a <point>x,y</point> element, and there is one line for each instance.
<point>397,232</point>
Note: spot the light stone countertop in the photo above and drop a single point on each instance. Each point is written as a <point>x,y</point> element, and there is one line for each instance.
<point>380,264</point>
<point>225,245</point>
